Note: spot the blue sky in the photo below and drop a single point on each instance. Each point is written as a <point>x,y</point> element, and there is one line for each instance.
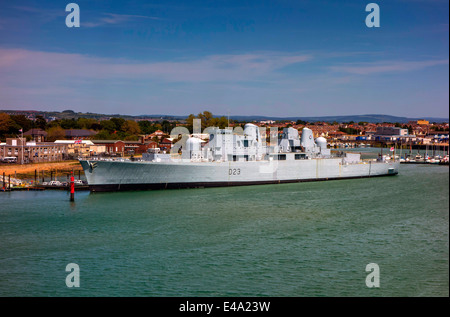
<point>274,58</point>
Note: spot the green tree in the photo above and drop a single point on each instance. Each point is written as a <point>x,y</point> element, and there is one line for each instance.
<point>145,126</point>
<point>5,123</point>
<point>118,122</point>
<point>20,122</point>
<point>167,126</point>
<point>131,138</point>
<point>108,125</point>
<point>106,135</point>
<point>96,126</point>
<point>157,126</point>
<point>52,124</point>
<point>222,122</point>
<point>69,124</point>
<point>207,120</point>
<point>56,133</point>
<point>40,123</point>
<point>86,123</point>
<point>131,127</point>
<point>190,122</point>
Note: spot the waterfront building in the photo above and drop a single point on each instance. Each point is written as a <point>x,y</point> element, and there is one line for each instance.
<point>155,136</point>
<point>112,147</point>
<point>82,148</point>
<point>384,133</point>
<point>32,152</point>
<point>97,149</point>
<point>165,144</point>
<point>138,147</point>
<point>120,148</point>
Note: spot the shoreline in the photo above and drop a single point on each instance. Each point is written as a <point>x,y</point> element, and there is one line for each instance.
<point>39,170</point>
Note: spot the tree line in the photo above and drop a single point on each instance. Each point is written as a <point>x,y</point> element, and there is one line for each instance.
<point>112,129</point>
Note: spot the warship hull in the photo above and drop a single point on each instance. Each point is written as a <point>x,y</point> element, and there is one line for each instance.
<point>124,175</point>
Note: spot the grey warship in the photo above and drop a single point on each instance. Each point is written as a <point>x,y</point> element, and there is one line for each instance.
<point>234,159</point>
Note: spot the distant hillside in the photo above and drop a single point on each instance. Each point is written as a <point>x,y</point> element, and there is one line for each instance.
<point>371,118</point>
<point>70,114</point>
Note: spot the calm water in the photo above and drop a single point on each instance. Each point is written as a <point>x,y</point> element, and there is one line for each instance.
<point>307,239</point>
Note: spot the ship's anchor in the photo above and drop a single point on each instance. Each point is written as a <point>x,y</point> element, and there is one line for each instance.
<point>92,166</point>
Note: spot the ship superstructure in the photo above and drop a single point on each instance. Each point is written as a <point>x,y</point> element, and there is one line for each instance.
<point>232,158</point>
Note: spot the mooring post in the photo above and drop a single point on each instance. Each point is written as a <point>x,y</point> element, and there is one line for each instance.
<point>4,181</point>
<point>72,187</point>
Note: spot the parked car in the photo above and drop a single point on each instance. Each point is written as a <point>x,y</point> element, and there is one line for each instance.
<point>9,159</point>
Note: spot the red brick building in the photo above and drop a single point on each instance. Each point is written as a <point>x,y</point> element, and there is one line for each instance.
<point>138,147</point>
<point>113,147</point>
<point>165,144</point>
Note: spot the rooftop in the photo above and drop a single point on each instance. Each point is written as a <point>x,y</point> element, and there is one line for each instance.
<point>79,133</point>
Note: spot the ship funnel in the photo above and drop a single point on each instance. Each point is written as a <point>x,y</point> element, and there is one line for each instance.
<point>307,140</point>
<point>193,149</point>
<point>252,131</point>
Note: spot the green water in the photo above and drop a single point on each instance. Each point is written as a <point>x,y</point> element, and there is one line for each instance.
<point>306,239</point>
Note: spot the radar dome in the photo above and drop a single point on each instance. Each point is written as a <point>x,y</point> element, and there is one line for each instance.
<point>321,142</point>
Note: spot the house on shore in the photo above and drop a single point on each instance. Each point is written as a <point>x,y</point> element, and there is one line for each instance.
<point>37,135</point>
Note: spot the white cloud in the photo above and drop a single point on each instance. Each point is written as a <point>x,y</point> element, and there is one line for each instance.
<point>113,18</point>
<point>24,64</point>
<point>386,66</point>
<point>40,79</point>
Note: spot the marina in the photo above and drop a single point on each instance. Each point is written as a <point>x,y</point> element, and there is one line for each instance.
<point>301,239</point>
<point>24,182</point>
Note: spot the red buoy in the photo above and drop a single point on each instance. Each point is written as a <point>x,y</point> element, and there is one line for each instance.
<point>72,188</point>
